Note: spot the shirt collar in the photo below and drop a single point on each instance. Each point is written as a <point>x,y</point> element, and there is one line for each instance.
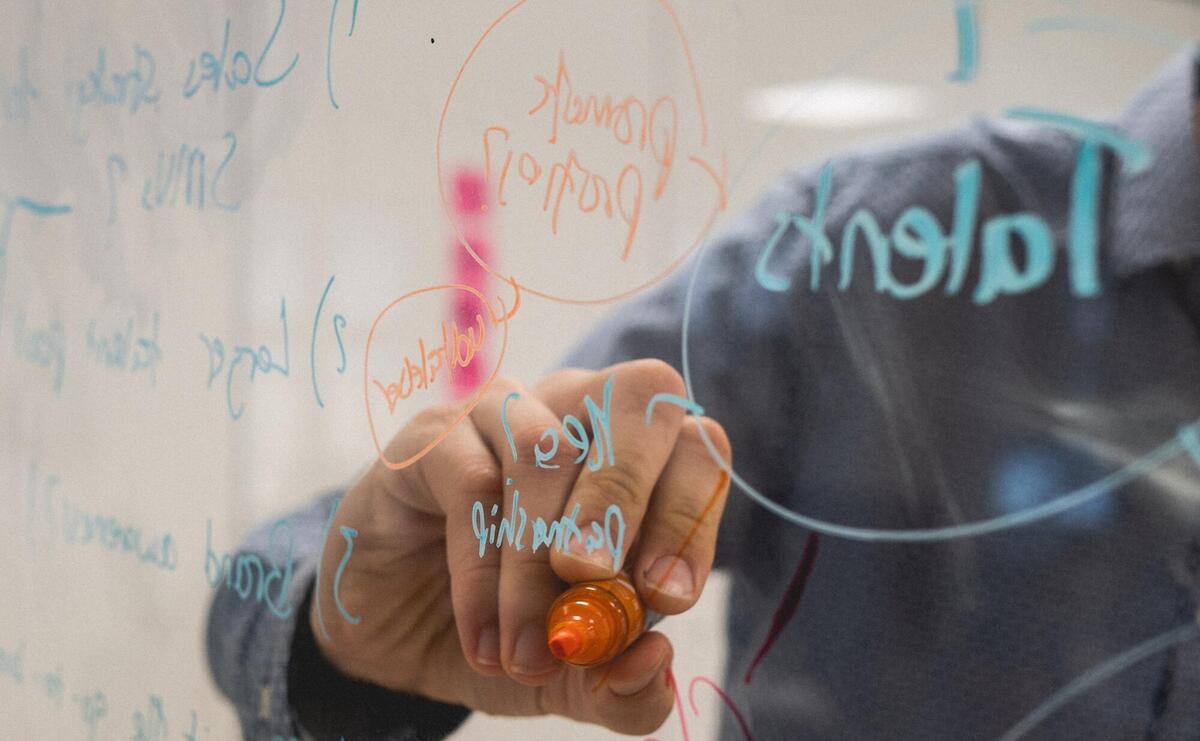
<point>1155,216</point>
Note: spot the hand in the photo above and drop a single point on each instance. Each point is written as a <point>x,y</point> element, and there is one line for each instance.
<point>440,621</point>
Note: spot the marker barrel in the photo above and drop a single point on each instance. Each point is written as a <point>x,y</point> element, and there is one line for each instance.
<point>592,622</point>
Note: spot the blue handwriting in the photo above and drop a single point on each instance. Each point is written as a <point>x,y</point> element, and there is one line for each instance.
<point>557,533</point>
<point>92,709</point>
<point>349,534</point>
<point>329,46</point>
<point>54,686</point>
<point>43,346</point>
<point>114,166</point>
<point>39,495</point>
<point>245,574</point>
<point>150,725</point>
<point>917,235</point>
<point>339,323</point>
<point>238,71</point>
<point>130,89</point>
<point>81,528</point>
<point>11,207</point>
<point>187,166</point>
<point>118,348</point>
<point>12,663</point>
<point>260,361</point>
<point>967,26</point>
<point>573,430</point>
<point>18,95</point>
<point>64,522</point>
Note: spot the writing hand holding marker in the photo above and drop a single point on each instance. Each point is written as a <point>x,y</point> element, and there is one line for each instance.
<point>592,623</point>
<point>439,620</point>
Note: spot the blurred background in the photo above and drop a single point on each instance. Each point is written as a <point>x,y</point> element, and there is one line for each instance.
<point>330,150</point>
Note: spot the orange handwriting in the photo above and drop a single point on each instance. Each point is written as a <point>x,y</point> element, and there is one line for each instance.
<point>630,121</point>
<point>456,351</point>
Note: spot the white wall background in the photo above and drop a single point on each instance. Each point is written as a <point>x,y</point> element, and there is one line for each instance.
<point>353,193</point>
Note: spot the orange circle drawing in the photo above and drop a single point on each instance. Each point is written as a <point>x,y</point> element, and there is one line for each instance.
<point>479,392</point>
<point>705,169</point>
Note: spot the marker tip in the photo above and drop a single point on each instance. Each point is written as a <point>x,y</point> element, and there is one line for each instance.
<point>565,643</point>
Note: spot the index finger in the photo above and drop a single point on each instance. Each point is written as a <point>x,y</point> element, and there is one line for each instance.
<point>624,461</point>
<point>679,535</point>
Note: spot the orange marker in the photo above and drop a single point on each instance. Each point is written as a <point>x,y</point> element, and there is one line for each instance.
<point>594,621</point>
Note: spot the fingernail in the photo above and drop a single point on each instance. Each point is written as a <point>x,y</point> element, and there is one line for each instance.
<point>531,656</point>
<point>672,576</point>
<point>599,558</point>
<point>637,684</point>
<point>487,649</point>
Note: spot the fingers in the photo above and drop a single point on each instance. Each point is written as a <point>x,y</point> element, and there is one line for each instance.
<point>679,534</point>
<point>513,422</point>
<point>676,538</point>
<point>630,695</point>
<point>562,391</point>
<point>637,697</point>
<point>623,464</point>
<point>460,478</point>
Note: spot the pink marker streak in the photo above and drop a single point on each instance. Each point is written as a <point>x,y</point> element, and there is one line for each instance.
<point>470,210</point>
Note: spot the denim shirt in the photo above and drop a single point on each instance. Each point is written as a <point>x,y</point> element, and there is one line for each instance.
<point>869,413</point>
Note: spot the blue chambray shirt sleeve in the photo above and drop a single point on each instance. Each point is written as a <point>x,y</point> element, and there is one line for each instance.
<point>248,645</point>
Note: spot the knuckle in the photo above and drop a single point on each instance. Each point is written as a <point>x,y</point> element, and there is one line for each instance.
<point>618,485</point>
<point>674,520</point>
<point>690,435</point>
<point>566,377</point>
<point>425,425</point>
<point>466,574</point>
<point>435,417</point>
<point>478,477</point>
<point>564,456</point>
<point>505,385</point>
<point>646,717</point>
<point>656,374</point>
<point>526,436</point>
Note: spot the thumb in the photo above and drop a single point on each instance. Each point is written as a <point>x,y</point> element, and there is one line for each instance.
<point>632,694</point>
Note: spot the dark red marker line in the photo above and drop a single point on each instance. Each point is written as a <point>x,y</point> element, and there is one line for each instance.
<point>789,604</point>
